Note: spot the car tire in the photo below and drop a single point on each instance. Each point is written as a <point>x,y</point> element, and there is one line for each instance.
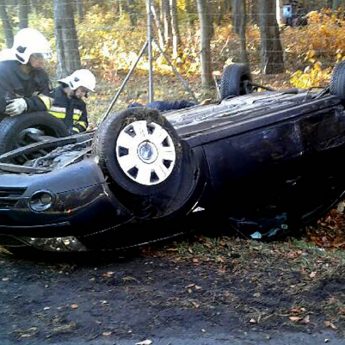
<point>152,172</point>
<point>337,84</point>
<point>235,81</point>
<point>12,129</point>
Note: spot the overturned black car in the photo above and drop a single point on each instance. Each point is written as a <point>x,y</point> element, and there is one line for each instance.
<point>266,162</point>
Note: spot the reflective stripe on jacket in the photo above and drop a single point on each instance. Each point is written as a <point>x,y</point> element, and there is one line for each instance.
<point>71,111</point>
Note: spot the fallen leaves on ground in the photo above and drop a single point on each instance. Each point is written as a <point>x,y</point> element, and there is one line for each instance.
<point>329,232</point>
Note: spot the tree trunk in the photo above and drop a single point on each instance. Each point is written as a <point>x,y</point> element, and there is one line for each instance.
<point>165,13</point>
<point>188,12</point>
<point>159,25</point>
<point>6,24</point>
<point>253,12</point>
<point>132,13</point>
<point>23,13</point>
<point>120,8</point>
<point>66,38</point>
<point>80,10</point>
<point>272,60</point>
<point>223,8</point>
<point>205,48</point>
<point>176,39</point>
<point>61,60</point>
<point>278,11</point>
<point>239,14</point>
<point>35,6</point>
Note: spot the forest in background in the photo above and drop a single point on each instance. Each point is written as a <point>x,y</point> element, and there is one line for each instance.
<point>198,37</point>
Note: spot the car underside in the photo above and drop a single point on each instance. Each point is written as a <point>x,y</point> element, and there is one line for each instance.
<point>264,162</point>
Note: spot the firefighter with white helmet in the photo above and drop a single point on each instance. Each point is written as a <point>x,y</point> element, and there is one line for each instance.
<point>80,77</point>
<point>24,84</point>
<point>68,104</point>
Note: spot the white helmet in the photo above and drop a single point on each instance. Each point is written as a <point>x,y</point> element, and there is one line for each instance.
<point>80,77</point>
<point>29,41</point>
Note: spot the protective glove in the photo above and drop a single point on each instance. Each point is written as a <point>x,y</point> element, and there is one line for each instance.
<point>71,131</point>
<point>16,107</point>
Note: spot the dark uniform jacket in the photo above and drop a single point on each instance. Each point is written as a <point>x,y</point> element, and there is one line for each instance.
<point>72,111</point>
<point>33,87</point>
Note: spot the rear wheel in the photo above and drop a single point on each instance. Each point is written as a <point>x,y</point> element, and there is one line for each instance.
<point>337,84</point>
<point>236,80</point>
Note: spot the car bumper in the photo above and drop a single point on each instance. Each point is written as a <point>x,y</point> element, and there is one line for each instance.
<point>81,203</point>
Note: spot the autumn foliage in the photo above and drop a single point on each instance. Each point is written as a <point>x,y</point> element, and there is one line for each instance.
<point>110,44</point>
<point>316,48</point>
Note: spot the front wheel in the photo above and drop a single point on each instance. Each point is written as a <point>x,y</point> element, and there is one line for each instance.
<point>21,130</point>
<point>152,172</point>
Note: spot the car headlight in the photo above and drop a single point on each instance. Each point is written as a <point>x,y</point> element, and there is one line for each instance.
<point>41,201</point>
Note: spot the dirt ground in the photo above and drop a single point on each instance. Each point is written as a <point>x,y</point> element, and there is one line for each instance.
<point>197,290</point>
